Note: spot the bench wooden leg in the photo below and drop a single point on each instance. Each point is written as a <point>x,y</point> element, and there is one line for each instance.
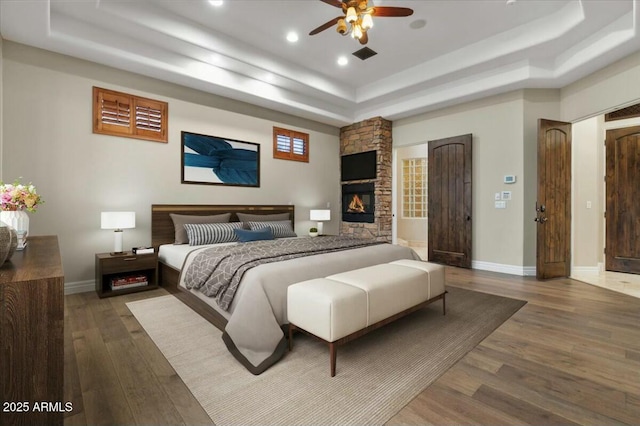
<point>291,327</point>
<point>332,354</point>
<point>444,306</point>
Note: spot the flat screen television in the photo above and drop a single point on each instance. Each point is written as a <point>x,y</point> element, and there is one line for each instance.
<point>358,166</point>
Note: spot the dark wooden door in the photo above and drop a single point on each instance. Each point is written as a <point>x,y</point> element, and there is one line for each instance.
<point>623,203</point>
<point>449,208</point>
<point>553,257</point>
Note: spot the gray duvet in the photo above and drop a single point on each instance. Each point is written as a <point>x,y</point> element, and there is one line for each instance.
<point>254,330</point>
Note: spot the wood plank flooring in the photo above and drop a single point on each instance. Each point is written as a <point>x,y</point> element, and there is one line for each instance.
<point>570,356</point>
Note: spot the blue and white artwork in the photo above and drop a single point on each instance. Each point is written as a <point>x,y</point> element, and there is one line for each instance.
<point>214,160</point>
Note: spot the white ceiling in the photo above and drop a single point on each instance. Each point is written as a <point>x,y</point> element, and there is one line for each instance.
<point>467,49</point>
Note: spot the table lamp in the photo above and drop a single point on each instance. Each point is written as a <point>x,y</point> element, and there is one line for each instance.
<point>117,221</point>
<point>320,216</point>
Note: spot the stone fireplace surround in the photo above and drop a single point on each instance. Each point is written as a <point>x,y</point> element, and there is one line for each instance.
<point>369,135</point>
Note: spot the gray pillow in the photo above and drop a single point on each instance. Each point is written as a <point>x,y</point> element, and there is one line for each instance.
<point>279,228</point>
<point>180,219</point>
<point>246,217</point>
<point>211,233</point>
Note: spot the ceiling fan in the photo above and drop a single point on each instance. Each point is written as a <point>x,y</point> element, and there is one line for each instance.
<point>357,17</point>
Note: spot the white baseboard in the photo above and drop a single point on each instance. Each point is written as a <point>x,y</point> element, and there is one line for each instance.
<point>595,270</point>
<point>502,268</point>
<point>79,287</point>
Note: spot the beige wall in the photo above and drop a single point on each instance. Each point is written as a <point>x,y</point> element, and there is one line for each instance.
<point>48,141</point>
<point>496,124</point>
<point>409,229</point>
<point>605,90</point>
<point>587,157</point>
<point>508,146</point>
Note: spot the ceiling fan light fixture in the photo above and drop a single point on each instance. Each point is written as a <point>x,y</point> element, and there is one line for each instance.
<point>367,22</point>
<point>356,32</point>
<point>342,27</point>
<point>351,15</point>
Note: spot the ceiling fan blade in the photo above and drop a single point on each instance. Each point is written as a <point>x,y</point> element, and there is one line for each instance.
<point>392,11</point>
<point>326,25</point>
<point>364,39</point>
<point>335,3</point>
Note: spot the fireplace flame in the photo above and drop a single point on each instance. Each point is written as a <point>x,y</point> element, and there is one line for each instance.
<point>356,205</point>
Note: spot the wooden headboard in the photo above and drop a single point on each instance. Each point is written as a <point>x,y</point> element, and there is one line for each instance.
<point>162,230</point>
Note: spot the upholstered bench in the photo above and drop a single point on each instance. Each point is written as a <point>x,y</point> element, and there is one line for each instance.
<point>342,307</point>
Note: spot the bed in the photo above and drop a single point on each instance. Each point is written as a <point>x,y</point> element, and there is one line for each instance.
<point>253,325</point>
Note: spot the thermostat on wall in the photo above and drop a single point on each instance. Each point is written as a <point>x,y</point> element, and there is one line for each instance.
<point>509,179</point>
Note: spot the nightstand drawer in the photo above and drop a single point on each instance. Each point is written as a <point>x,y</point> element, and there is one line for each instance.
<point>128,263</point>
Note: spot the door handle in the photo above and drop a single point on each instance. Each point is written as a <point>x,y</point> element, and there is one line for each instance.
<point>540,220</point>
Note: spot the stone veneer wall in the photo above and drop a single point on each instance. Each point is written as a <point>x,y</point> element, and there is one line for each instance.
<point>368,135</point>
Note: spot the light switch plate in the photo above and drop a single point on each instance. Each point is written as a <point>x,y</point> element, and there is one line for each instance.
<point>501,204</point>
<point>497,196</point>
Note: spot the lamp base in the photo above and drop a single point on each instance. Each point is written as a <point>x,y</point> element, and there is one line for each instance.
<point>117,246</point>
<point>319,228</point>
<point>118,253</point>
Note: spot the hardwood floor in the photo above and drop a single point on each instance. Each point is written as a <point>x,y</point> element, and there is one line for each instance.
<point>114,373</point>
<point>570,356</point>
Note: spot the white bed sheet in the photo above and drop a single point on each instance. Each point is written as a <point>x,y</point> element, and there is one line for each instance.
<point>175,254</point>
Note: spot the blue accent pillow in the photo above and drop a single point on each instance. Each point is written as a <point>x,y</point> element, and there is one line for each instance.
<point>244,235</point>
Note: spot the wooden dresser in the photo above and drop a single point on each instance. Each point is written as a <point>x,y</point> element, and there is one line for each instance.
<point>31,335</point>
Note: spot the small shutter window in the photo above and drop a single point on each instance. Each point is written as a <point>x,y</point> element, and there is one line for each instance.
<point>290,145</point>
<point>121,114</point>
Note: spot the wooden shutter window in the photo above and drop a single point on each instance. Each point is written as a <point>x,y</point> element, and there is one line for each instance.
<point>121,114</point>
<point>290,145</point>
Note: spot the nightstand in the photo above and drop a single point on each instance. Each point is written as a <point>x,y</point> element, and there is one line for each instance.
<point>125,273</point>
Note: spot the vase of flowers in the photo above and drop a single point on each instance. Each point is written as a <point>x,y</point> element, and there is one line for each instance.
<point>16,200</point>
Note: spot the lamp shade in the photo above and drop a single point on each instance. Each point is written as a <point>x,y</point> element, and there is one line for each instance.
<point>117,220</point>
<point>320,215</point>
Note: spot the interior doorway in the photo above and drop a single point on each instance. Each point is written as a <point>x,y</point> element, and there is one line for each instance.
<point>589,201</point>
<point>410,196</point>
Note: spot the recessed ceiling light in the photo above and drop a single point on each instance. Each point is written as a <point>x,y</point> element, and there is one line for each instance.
<point>216,2</point>
<point>510,2</point>
<point>342,61</point>
<point>417,24</point>
<point>292,37</point>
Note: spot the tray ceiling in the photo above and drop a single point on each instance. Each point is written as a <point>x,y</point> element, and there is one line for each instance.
<point>447,52</point>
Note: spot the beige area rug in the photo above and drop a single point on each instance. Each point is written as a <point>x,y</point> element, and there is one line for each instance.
<point>376,375</point>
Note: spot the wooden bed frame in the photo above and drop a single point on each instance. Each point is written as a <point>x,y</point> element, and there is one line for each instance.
<point>162,232</point>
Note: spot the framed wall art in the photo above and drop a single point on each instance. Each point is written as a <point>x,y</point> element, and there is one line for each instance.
<point>214,160</point>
